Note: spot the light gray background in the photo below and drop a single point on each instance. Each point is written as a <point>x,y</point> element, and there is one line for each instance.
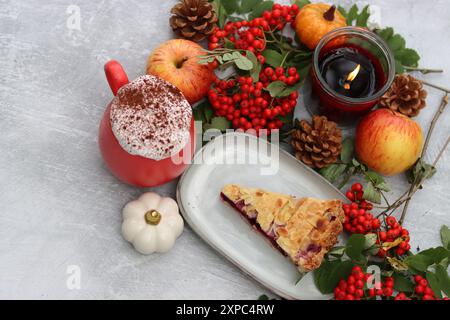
<point>59,206</point>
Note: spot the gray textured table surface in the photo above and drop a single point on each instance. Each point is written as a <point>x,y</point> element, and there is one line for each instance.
<point>60,207</point>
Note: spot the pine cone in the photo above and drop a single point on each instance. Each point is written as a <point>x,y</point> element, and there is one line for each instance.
<point>406,96</point>
<point>193,19</point>
<point>317,145</point>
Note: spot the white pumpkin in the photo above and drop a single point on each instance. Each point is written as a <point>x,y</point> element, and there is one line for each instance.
<point>151,223</point>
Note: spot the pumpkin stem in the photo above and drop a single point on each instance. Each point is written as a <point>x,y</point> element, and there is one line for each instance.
<point>152,217</point>
<point>329,15</point>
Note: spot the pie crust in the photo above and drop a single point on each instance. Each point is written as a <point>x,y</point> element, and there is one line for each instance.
<point>303,229</point>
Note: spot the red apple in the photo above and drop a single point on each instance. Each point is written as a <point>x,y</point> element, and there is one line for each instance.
<point>176,61</point>
<point>388,142</point>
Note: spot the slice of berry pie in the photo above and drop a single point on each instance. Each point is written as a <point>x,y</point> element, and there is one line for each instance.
<point>303,229</point>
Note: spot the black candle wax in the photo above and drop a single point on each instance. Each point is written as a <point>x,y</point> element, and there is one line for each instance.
<point>337,64</point>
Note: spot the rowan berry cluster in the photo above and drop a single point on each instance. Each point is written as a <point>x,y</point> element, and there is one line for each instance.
<point>242,100</point>
<point>356,287</point>
<point>247,105</point>
<point>358,219</point>
<point>249,35</point>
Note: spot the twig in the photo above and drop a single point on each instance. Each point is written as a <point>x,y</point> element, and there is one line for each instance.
<point>436,86</point>
<point>433,123</point>
<point>416,184</point>
<point>423,70</point>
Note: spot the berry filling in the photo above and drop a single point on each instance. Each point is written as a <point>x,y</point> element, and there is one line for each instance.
<point>251,218</point>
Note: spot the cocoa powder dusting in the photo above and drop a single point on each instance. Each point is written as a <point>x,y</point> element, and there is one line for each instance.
<point>151,118</point>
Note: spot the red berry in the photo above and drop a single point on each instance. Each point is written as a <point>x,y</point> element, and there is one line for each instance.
<point>351,289</point>
<point>359,284</point>
<point>376,224</point>
<point>357,187</point>
<point>423,283</point>
<point>279,71</point>
<point>350,195</point>
<point>292,71</point>
<point>387,292</point>
<point>268,72</point>
<point>340,296</point>
<point>391,221</point>
<point>428,291</point>
<point>419,289</point>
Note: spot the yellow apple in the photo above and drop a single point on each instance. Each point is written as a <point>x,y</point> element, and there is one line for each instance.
<point>388,142</point>
<point>176,61</point>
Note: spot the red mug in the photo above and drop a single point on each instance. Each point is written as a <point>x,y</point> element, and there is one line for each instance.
<point>135,169</point>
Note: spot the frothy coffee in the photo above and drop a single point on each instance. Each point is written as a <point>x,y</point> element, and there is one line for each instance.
<point>151,118</point>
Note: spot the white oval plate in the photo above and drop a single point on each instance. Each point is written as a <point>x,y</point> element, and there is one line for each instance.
<point>226,231</point>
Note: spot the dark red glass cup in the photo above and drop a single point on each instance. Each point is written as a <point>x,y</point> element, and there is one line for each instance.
<point>339,107</point>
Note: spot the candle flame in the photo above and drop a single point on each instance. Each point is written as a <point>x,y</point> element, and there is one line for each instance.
<point>351,76</point>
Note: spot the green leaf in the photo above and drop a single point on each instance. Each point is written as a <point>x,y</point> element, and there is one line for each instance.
<point>423,260</point>
<point>254,72</point>
<point>439,255</point>
<point>443,279</point>
<point>386,33</point>
<point>408,57</point>
<point>363,17</point>
<point>445,237</point>
<point>420,171</point>
<point>402,283</point>
<point>370,240</point>
<point>330,273</point>
<point>403,56</point>
<point>198,115</point>
<point>377,181</point>
<point>433,282</point>
<point>348,147</point>
<point>208,113</point>
<point>355,247</point>
<point>273,58</point>
<point>337,251</point>
<point>355,163</point>
<point>333,172</point>
<point>290,89</point>
<point>231,6</point>
<point>220,11</point>
<point>260,8</point>
<point>248,5</point>
<point>235,19</point>
<point>243,63</point>
<point>263,297</point>
<point>279,89</point>
<point>200,110</point>
<point>399,67</point>
<point>371,193</point>
<point>396,42</point>
<point>219,123</point>
<point>276,88</point>
<point>352,15</point>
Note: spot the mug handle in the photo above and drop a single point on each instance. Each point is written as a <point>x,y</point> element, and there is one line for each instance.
<point>115,75</point>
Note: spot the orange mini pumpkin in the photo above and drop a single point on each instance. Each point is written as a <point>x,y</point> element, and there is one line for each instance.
<point>315,20</point>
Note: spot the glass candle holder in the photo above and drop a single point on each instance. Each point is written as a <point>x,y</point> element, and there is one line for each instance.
<point>352,68</point>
